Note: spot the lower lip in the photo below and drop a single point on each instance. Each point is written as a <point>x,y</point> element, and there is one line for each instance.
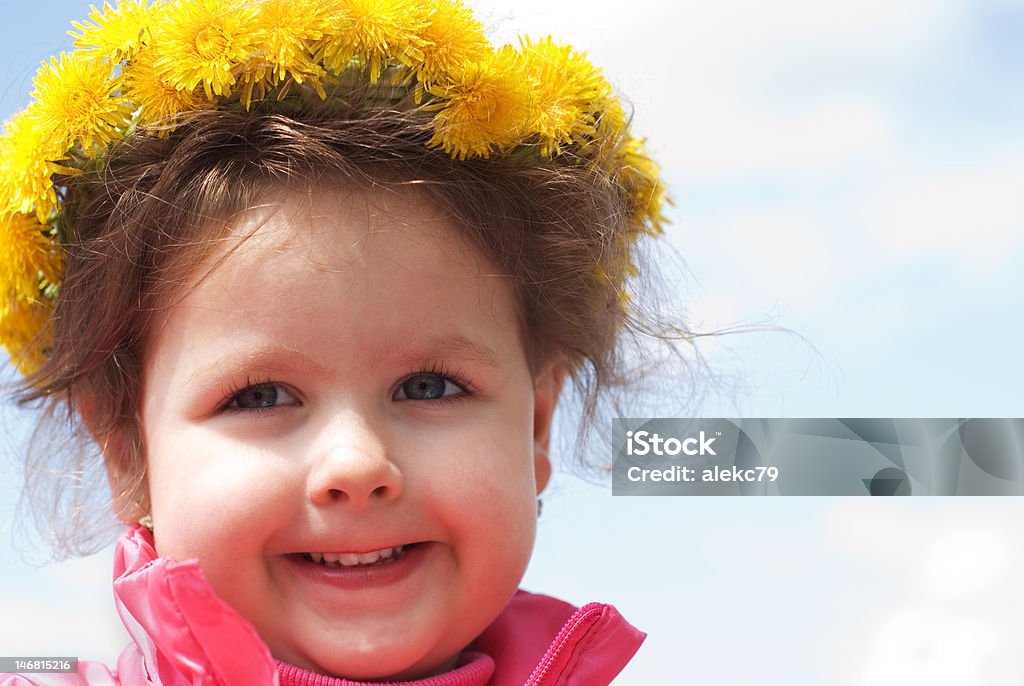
<point>370,576</point>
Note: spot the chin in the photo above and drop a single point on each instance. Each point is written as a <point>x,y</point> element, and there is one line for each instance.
<point>370,665</point>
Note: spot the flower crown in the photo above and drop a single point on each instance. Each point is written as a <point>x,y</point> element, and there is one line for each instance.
<point>137,68</point>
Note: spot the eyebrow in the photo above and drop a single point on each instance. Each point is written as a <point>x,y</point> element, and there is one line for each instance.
<point>257,359</point>
<point>402,351</point>
<point>449,346</point>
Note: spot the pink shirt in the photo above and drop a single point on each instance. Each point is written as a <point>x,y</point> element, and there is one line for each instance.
<point>476,670</point>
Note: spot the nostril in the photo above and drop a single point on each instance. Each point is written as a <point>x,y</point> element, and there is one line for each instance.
<point>350,478</point>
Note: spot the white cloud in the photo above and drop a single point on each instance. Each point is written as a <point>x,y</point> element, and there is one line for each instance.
<point>727,27</point>
<point>922,647</point>
<point>954,615</point>
<point>735,140</point>
<point>709,80</point>
<point>761,257</point>
<point>965,559</point>
<point>972,215</point>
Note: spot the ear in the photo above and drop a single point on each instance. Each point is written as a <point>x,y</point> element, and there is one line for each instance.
<point>547,387</point>
<point>126,474</point>
<point>122,457</point>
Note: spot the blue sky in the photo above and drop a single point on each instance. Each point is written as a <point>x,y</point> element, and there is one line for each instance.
<point>849,172</point>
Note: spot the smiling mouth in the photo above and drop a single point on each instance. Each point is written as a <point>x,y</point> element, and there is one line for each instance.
<point>374,558</point>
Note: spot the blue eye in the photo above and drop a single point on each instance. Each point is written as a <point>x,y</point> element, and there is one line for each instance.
<point>427,387</point>
<point>261,397</point>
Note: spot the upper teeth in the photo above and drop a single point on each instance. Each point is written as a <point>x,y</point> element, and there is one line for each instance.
<point>354,559</point>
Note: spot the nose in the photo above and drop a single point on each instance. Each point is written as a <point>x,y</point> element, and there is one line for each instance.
<point>354,467</point>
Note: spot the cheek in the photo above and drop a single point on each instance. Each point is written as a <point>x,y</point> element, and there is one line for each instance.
<point>497,526</point>
<point>486,489</point>
<point>211,501</point>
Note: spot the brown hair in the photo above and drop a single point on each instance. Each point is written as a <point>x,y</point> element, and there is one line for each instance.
<point>135,226</point>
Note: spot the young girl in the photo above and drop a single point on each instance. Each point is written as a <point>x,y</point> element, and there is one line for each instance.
<point>311,276</point>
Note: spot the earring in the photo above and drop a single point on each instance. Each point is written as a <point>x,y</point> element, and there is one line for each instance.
<point>540,507</point>
<point>147,521</point>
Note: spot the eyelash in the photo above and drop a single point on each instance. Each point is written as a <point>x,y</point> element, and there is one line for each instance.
<point>441,369</point>
<point>435,369</point>
<point>234,390</point>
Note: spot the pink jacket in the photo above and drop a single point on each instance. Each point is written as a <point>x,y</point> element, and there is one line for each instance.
<point>184,635</point>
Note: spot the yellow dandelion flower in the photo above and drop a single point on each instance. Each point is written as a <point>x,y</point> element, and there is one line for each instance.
<point>26,330</point>
<point>114,33</point>
<point>28,261</point>
<point>377,33</point>
<point>25,167</point>
<point>452,38</point>
<point>76,102</point>
<point>612,133</point>
<point>640,177</point>
<point>28,256</point>
<point>290,30</point>
<point>486,109</point>
<point>157,101</point>
<point>569,91</point>
<point>336,49</point>
<point>206,42</point>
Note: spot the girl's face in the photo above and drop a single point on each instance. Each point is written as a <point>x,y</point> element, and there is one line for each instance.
<point>342,426</point>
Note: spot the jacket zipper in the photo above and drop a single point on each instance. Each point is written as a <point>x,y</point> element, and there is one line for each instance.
<point>588,614</point>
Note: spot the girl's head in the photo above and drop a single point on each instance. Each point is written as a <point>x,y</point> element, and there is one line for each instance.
<point>309,337</point>
<point>292,344</point>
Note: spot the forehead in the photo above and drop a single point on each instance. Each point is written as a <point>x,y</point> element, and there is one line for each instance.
<point>333,263</point>
<point>334,229</point>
